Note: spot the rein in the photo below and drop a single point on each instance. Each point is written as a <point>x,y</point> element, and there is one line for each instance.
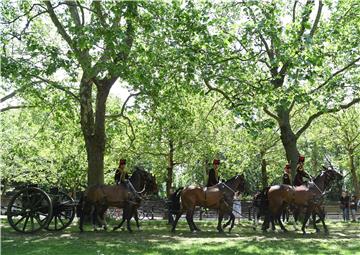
<point>228,187</point>
<point>322,192</point>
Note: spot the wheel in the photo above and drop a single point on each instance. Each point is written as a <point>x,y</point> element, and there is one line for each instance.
<point>29,210</point>
<point>63,211</point>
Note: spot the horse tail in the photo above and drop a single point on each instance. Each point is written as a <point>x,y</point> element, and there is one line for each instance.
<point>174,201</point>
<point>80,206</point>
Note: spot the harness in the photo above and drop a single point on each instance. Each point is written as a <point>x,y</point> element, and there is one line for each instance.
<point>223,183</point>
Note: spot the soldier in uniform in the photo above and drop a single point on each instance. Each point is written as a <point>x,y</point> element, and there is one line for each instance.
<point>120,173</point>
<point>300,172</point>
<point>287,175</point>
<point>213,174</point>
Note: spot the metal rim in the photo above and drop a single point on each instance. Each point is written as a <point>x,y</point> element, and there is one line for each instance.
<point>29,210</point>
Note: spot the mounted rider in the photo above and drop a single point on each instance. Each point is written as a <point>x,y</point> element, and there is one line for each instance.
<point>287,175</point>
<point>213,174</point>
<point>121,173</point>
<point>300,172</point>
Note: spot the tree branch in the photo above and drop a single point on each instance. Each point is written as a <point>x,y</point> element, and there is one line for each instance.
<point>305,17</point>
<point>211,88</point>
<point>122,114</point>
<point>16,107</point>
<point>294,11</point>
<point>58,86</point>
<point>266,110</point>
<point>122,111</point>
<point>318,114</point>
<point>58,25</point>
<point>74,12</point>
<point>317,19</point>
<point>8,96</point>
<point>335,74</point>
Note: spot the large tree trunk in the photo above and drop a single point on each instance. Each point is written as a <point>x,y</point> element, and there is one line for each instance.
<point>264,177</point>
<point>93,128</point>
<point>170,169</point>
<point>288,139</point>
<point>353,173</point>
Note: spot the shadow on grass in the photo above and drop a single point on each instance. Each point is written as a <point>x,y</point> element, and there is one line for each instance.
<point>157,239</point>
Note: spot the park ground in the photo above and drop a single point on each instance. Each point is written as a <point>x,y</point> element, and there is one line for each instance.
<point>155,238</point>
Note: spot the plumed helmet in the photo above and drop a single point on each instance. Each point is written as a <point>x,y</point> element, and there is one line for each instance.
<point>301,158</point>
<point>287,168</point>
<point>216,162</point>
<point>122,162</point>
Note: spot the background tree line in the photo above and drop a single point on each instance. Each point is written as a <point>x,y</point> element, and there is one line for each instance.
<point>253,83</point>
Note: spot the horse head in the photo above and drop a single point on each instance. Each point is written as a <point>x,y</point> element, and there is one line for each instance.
<point>151,185</point>
<point>331,175</point>
<point>241,182</point>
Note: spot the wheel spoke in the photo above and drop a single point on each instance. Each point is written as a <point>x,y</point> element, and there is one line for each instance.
<point>43,214</point>
<point>32,223</point>
<point>39,221</point>
<point>63,224</point>
<point>36,203</point>
<point>25,223</point>
<point>16,207</point>
<point>55,222</point>
<point>22,218</point>
<point>66,216</point>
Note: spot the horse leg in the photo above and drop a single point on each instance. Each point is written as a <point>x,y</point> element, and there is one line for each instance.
<point>255,218</point>
<point>219,228</point>
<point>307,215</point>
<point>128,211</point>
<point>189,214</point>
<point>265,224</point>
<point>82,218</point>
<point>120,224</point>
<point>101,217</point>
<point>227,223</point>
<point>136,217</point>
<point>93,217</point>
<point>314,222</point>
<point>280,223</point>
<point>272,221</point>
<point>322,218</point>
<point>192,221</point>
<point>178,215</point>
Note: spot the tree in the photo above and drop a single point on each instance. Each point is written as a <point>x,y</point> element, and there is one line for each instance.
<point>279,56</point>
<point>345,128</point>
<point>93,42</point>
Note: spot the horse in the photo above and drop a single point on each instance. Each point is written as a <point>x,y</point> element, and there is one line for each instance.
<point>219,196</point>
<point>98,198</point>
<point>260,207</point>
<point>305,196</point>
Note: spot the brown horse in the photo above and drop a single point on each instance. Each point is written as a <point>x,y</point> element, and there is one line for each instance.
<point>219,196</point>
<point>128,196</point>
<point>308,197</point>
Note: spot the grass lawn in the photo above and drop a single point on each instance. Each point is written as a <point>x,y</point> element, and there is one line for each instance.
<point>155,238</point>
